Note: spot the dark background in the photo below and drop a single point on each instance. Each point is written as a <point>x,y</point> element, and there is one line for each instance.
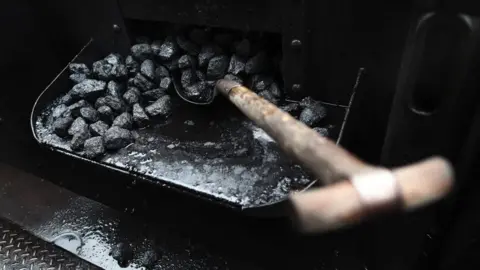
<point>40,37</point>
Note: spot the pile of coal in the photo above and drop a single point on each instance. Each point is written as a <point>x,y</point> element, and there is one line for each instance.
<point>311,112</point>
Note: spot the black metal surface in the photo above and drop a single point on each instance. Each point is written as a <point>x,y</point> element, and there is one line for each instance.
<point>221,157</point>
<point>19,250</point>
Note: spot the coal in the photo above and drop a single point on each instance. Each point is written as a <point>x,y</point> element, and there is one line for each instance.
<point>109,69</point>
<point>187,61</point>
<point>243,48</point>
<point>198,92</point>
<point>161,108</point>
<point>122,253</point>
<point>62,124</point>
<point>188,46</point>
<point>88,89</point>
<point>77,126</point>
<point>217,67</point>
<point>200,36</point>
<point>307,102</point>
<point>188,78</point>
<point>153,95</point>
<point>257,64</point>
<point>148,259</point>
<point>237,66</point>
<point>77,77</point>
<point>166,84</point>
<point>116,138</point>
<point>322,131</point>
<point>89,114</point>
<point>106,113</point>
<point>291,108</point>
<point>200,75</point>
<point>116,104</point>
<point>207,52</point>
<point>168,49</point>
<point>132,65</point>
<point>156,44</point>
<point>160,73</point>
<point>142,51</point>
<point>275,90</point>
<point>142,83</point>
<point>94,147</point>
<point>260,83</point>
<point>114,59</point>
<point>59,111</point>
<point>313,114</point>
<point>78,140</point>
<point>114,89</point>
<point>79,68</point>
<point>124,120</point>
<point>98,128</point>
<point>268,96</point>
<point>234,78</point>
<point>75,107</point>
<point>139,116</point>
<point>132,95</point>
<point>147,69</point>
<point>67,99</point>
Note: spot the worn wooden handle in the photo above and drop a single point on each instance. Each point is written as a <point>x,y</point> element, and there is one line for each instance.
<point>366,190</point>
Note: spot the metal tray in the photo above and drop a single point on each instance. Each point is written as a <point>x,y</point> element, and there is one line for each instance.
<point>212,152</point>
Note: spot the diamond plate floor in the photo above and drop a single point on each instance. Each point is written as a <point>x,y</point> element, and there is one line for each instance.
<point>20,250</point>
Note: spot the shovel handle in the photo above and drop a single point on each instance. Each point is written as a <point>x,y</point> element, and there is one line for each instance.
<point>355,190</point>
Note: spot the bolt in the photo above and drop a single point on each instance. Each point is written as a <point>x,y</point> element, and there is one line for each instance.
<point>296,87</point>
<point>296,43</point>
<point>116,28</point>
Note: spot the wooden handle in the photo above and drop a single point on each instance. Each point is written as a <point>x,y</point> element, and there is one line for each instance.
<point>358,190</point>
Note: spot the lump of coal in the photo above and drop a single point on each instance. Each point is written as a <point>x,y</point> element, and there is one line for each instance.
<point>217,67</point>
<point>199,92</point>
<point>77,126</point>
<point>188,78</point>
<point>207,53</point>
<point>79,139</point>
<point>147,69</point>
<point>142,39</point>
<point>313,114</point>
<point>94,147</point>
<point>142,51</point>
<point>89,114</point>
<point>199,35</point>
<point>105,113</point>
<point>168,49</point>
<point>98,128</point>
<point>307,102</point>
<point>116,104</point>
<point>156,44</point>
<point>243,48</point>
<point>322,131</point>
<point>77,77</point>
<point>114,59</point>
<point>116,138</point>
<point>88,89</point>
<point>122,253</point>
<point>162,107</point>
<point>62,124</point>
<point>234,78</point>
<point>109,69</point>
<point>166,84</point>
<point>161,72</point>
<point>75,108</point>
<point>148,259</point>
<point>200,75</point>
<point>259,83</point>
<point>268,96</point>
<point>186,61</point>
<point>275,90</point>
<point>59,111</point>
<point>114,89</point>
<point>124,120</point>
<point>67,99</point>
<point>188,46</point>
<point>257,64</point>
<point>142,83</point>
<point>132,65</point>
<point>154,94</point>
<point>291,108</point>
<point>237,66</point>
<point>79,68</point>
<point>132,96</point>
<point>139,115</point>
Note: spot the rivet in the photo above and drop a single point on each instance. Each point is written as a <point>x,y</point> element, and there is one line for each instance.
<point>116,28</point>
<point>296,43</point>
